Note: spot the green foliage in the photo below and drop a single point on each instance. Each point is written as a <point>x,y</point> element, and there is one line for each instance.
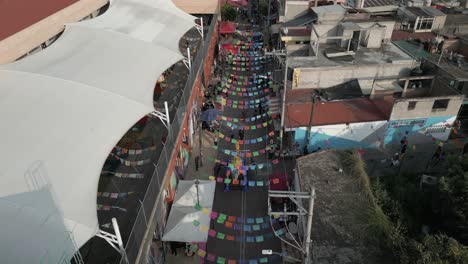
<point>397,208</point>
<point>453,197</point>
<point>263,7</point>
<point>228,12</point>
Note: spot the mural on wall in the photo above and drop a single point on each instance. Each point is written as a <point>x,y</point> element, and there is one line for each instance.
<point>343,136</point>
<point>182,161</point>
<point>421,130</point>
<point>171,188</point>
<point>374,134</point>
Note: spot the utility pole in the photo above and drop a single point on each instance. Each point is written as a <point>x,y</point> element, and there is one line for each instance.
<point>308,259</point>
<point>309,127</point>
<point>300,212</point>
<point>283,103</point>
<point>269,8</point>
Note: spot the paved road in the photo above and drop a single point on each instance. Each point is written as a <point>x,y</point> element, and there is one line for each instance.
<point>244,204</point>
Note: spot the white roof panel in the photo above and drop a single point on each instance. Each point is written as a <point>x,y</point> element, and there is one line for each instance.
<point>63,110</point>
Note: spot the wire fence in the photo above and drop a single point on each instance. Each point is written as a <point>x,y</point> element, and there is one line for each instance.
<point>152,197</point>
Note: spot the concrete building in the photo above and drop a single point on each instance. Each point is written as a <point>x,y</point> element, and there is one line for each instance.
<point>419,108</point>
<point>27,27</point>
<point>421,18</point>
<point>344,47</point>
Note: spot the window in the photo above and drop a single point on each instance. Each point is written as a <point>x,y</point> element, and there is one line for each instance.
<point>440,105</point>
<point>424,23</point>
<point>414,122</point>
<point>436,129</point>
<point>411,105</point>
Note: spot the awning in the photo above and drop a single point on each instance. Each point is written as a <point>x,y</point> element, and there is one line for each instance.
<point>64,109</point>
<point>226,27</point>
<point>186,223</point>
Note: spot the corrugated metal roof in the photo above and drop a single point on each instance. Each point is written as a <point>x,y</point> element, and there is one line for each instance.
<point>374,3</point>
<point>17,15</point>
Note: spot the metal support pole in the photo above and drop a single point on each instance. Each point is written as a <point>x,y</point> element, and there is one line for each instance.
<point>309,227</point>
<point>168,120</point>
<point>144,214</point>
<point>189,59</point>
<point>119,240</point>
<point>202,30</point>
<point>283,103</point>
<point>440,57</point>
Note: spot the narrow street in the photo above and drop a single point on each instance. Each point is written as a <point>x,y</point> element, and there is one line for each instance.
<point>242,167</point>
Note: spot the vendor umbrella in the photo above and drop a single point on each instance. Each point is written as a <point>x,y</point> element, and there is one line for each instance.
<point>210,114</point>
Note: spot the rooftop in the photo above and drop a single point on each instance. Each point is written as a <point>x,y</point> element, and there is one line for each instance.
<point>425,11</point>
<point>340,196</point>
<point>297,31</point>
<point>357,110</point>
<point>17,15</point>
<point>389,53</point>
<point>301,20</point>
<point>374,3</point>
<point>404,35</point>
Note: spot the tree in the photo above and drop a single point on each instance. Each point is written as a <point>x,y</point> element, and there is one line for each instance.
<point>228,13</point>
<point>453,197</point>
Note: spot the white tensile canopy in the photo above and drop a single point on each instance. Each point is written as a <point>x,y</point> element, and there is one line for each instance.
<point>63,110</point>
<point>181,225</point>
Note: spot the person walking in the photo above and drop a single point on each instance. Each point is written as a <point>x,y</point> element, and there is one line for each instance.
<point>173,246</point>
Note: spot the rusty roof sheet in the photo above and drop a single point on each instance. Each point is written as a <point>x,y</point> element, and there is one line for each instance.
<point>336,112</point>
<point>16,15</point>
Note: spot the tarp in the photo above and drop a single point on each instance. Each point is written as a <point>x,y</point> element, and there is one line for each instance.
<point>210,114</point>
<point>185,222</point>
<point>64,109</point>
<point>226,27</point>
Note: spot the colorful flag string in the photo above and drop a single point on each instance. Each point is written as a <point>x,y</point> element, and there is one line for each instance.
<point>247,119</point>
<point>131,162</point>
<point>125,175</point>
<point>101,207</point>
<point>134,151</point>
<point>114,195</point>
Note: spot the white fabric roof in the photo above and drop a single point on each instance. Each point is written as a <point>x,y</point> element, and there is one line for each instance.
<point>63,110</point>
<point>187,193</point>
<point>180,226</point>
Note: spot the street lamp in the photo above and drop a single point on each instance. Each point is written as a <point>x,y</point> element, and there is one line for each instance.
<point>271,252</point>
<point>197,206</point>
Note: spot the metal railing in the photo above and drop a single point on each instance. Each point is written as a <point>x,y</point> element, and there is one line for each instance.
<point>152,196</point>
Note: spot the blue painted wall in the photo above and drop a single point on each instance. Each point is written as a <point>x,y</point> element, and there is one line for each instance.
<point>365,135</point>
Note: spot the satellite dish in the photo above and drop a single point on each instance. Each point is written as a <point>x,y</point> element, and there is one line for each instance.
<point>292,227</point>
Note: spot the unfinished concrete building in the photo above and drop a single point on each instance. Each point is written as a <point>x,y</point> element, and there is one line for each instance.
<point>344,47</point>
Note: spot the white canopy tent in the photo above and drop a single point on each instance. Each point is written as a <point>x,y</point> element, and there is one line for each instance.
<point>186,194</point>
<point>180,224</point>
<point>63,111</point>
